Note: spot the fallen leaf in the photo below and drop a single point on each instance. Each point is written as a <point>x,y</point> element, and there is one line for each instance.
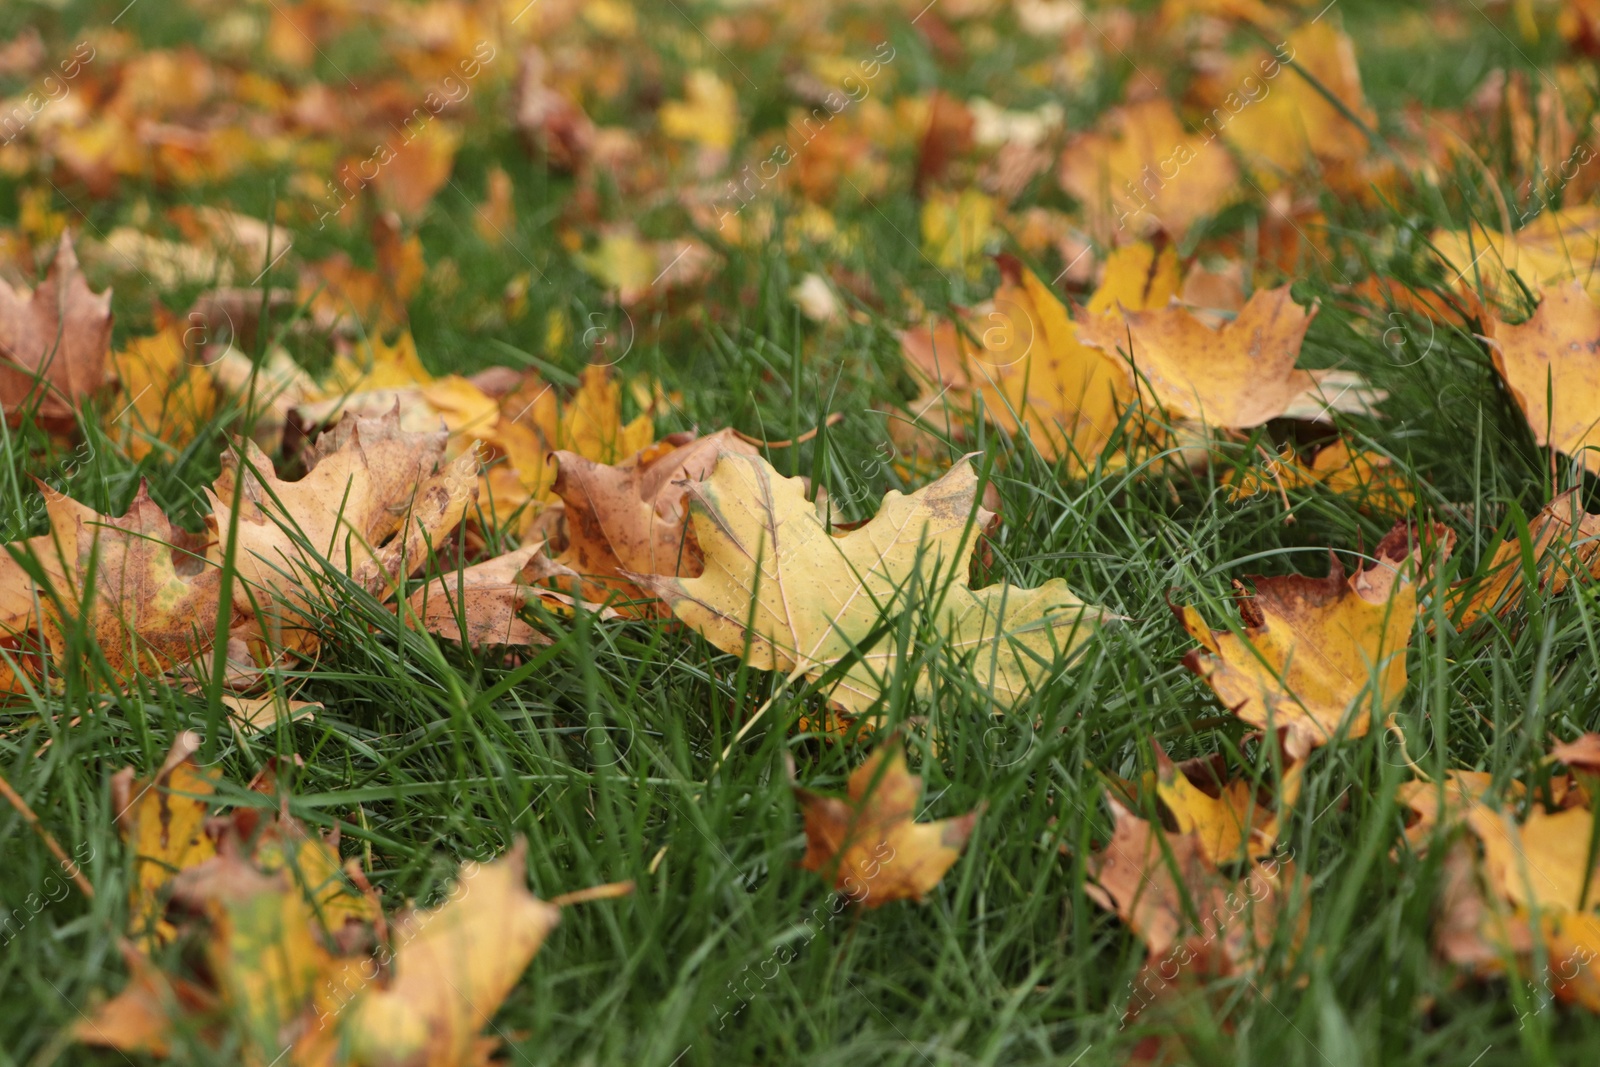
<point>708,115</point>
<point>53,341</point>
<point>1229,818</point>
<point>871,845</point>
<point>1564,543</point>
<point>1025,366</point>
<point>292,960</point>
<point>373,502</point>
<point>631,518</point>
<point>479,605</point>
<point>1292,126</point>
<point>1554,248</point>
<point>164,393</point>
<point>1551,366</point>
<point>453,966</point>
<point>1175,900</point>
<point>1236,377</point>
<point>782,590</point>
<point>163,821</point>
<point>1141,171</point>
<point>1316,654</point>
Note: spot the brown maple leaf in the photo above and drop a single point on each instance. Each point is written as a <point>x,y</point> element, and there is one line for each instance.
<point>632,518</point>
<point>54,341</point>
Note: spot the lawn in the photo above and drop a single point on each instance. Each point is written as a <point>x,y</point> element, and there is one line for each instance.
<point>651,188</point>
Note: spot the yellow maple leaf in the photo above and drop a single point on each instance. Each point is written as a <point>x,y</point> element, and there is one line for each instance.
<point>782,590</point>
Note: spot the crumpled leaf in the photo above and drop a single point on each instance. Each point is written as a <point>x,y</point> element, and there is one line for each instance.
<point>1236,377</point>
<point>807,596</point>
<point>871,844</point>
<point>632,517</point>
<point>1551,365</point>
<point>1316,654</point>
<point>53,341</point>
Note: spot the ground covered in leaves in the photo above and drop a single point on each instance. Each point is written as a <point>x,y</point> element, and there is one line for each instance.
<point>970,532</point>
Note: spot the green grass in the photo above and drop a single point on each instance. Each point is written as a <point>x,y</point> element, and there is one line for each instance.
<point>602,749</point>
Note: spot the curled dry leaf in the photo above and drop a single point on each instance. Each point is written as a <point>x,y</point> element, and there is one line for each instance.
<point>374,501</point>
<point>780,588</point>
<point>632,518</point>
<point>1316,654</point>
<point>53,341</point>
<point>1236,377</point>
<point>871,844</point>
<point>1551,366</point>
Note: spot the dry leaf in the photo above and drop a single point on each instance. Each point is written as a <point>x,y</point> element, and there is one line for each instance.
<point>1316,654</point>
<point>1171,895</point>
<point>871,844</point>
<point>374,501</point>
<point>1236,377</point>
<point>479,605</point>
<point>1564,542</point>
<point>807,596</point>
<point>293,962</point>
<point>1120,173</point>
<point>53,341</point>
<point>632,518</point>
<point>1551,365</point>
<point>164,393</point>
<point>163,821</point>
<point>1228,817</point>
